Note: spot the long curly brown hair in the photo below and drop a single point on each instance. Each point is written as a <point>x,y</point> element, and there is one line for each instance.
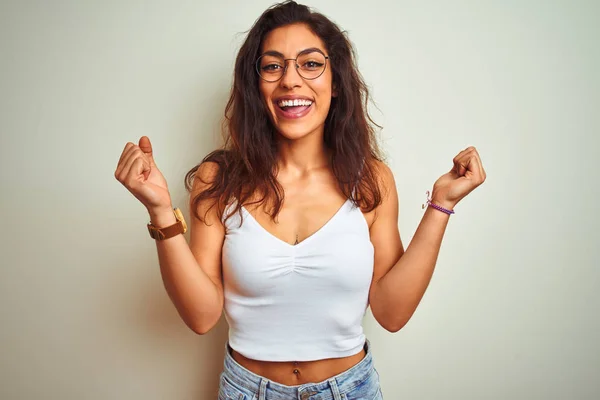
<point>247,162</point>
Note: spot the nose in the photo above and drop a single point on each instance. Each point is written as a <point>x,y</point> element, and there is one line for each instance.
<point>291,78</point>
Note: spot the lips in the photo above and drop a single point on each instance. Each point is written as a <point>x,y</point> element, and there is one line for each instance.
<point>293,107</point>
<point>293,112</point>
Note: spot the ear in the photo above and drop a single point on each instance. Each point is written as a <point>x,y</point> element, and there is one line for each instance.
<point>334,91</point>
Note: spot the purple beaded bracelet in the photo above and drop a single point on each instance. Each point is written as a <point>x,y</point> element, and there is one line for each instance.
<point>439,208</point>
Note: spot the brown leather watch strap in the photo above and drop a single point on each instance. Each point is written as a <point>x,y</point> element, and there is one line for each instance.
<point>169,231</point>
<point>165,233</point>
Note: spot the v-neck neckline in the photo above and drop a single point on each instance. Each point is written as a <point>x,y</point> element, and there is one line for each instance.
<point>305,240</point>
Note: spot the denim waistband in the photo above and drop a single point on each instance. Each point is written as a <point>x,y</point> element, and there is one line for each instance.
<point>329,389</point>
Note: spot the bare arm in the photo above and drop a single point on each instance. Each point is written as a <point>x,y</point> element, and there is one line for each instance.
<point>192,273</point>
<point>401,278</point>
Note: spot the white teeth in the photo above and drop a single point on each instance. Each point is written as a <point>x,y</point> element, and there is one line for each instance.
<point>294,103</point>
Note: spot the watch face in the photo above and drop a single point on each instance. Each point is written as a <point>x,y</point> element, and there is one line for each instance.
<point>179,216</point>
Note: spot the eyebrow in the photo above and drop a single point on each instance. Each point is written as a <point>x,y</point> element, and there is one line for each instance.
<point>278,54</point>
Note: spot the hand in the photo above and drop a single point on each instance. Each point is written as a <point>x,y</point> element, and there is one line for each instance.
<point>137,171</point>
<point>466,174</point>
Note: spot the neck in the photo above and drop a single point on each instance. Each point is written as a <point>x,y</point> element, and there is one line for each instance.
<point>300,156</point>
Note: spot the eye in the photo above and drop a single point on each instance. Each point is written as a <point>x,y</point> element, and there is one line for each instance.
<point>312,65</point>
<point>271,67</point>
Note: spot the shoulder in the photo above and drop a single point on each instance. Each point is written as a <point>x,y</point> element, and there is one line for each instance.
<point>384,177</point>
<point>211,170</point>
<point>205,183</point>
<point>206,174</point>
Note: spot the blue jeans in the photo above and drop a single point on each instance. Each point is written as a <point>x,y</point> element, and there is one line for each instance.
<point>359,382</point>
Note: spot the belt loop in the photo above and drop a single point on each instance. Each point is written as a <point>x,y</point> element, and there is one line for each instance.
<point>262,391</point>
<point>334,389</point>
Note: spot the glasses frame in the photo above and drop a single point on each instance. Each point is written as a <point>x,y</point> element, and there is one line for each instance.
<point>285,64</point>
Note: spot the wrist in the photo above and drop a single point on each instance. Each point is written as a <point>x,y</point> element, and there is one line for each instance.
<point>440,204</point>
<point>448,205</point>
<point>162,217</point>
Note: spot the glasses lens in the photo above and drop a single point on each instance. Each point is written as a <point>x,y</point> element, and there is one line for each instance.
<point>270,67</point>
<point>311,64</point>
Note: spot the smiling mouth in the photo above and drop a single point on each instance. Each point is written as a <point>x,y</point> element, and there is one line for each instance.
<point>296,106</point>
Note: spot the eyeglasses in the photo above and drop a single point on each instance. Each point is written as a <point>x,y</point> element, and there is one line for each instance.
<point>309,63</point>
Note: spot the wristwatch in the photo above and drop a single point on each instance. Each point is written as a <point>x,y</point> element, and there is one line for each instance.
<point>164,233</point>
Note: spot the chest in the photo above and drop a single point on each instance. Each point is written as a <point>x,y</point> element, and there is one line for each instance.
<point>301,217</point>
<point>339,252</point>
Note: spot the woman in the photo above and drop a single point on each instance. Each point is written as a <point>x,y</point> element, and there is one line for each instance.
<point>294,229</point>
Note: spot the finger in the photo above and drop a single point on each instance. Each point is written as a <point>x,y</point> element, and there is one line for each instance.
<point>123,155</point>
<point>462,157</point>
<point>128,145</point>
<point>139,166</point>
<point>132,158</point>
<point>457,158</point>
<point>475,169</point>
<point>126,161</point>
<point>146,147</point>
<point>127,152</point>
<point>461,163</point>
<point>479,164</point>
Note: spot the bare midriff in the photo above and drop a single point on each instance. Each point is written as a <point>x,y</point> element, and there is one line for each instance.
<point>291,373</point>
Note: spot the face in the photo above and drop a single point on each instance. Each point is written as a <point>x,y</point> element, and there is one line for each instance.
<point>313,95</point>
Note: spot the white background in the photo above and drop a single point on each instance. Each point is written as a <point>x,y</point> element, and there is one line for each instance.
<point>513,309</point>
